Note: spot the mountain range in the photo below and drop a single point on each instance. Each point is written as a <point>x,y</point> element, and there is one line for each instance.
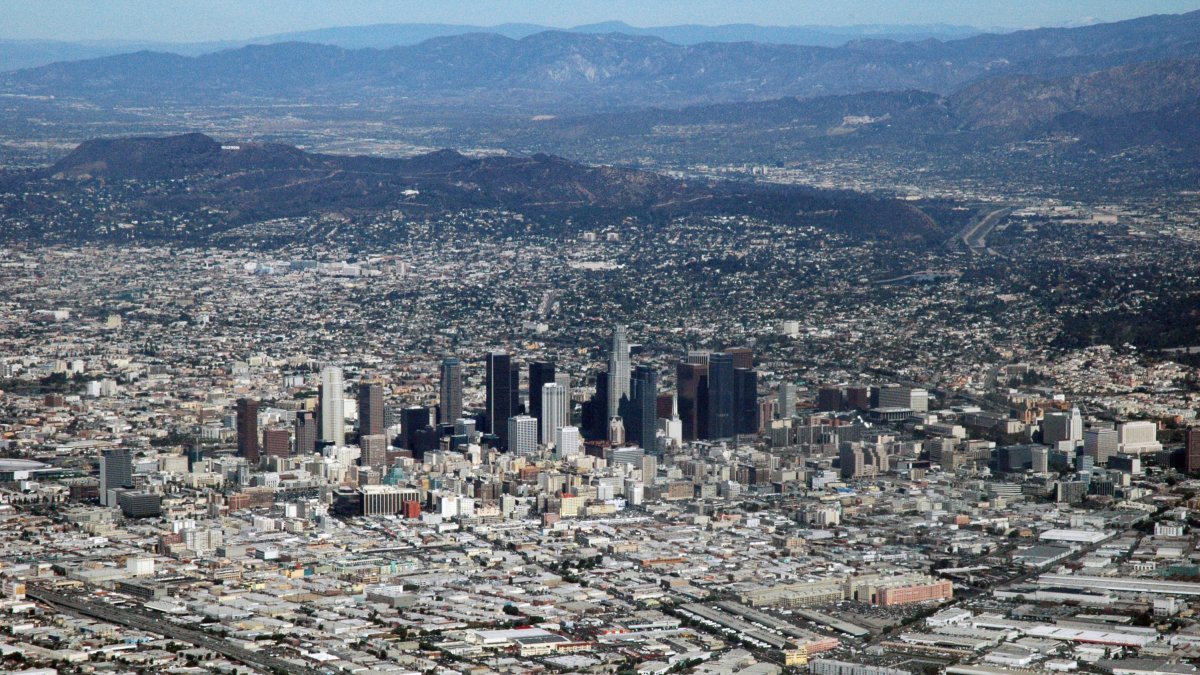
<point>19,54</point>
<point>104,187</point>
<point>577,71</point>
<point>1011,104</point>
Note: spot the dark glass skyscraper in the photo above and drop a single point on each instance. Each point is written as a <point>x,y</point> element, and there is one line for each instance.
<point>500,404</point>
<point>643,425</point>
<point>514,390</point>
<point>450,397</point>
<point>247,429</point>
<point>412,420</point>
<point>720,396</point>
<point>541,373</point>
<point>594,419</point>
<point>693,399</point>
<point>745,401</point>
<point>370,409</point>
<point>306,432</point>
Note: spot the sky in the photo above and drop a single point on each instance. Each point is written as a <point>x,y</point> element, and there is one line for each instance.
<point>207,20</point>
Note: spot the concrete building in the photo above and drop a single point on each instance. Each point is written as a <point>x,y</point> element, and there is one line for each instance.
<point>1100,444</point>
<point>116,472</point>
<point>914,399</point>
<point>1138,438</point>
<point>567,442</point>
<point>787,401</point>
<point>522,435</point>
<point>1062,426</point>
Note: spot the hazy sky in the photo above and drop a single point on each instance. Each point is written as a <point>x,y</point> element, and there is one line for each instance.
<point>200,20</point>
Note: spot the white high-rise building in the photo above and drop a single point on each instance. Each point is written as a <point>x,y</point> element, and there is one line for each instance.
<point>672,429</point>
<point>618,371</point>
<point>1138,438</point>
<point>333,406</point>
<point>553,405</point>
<point>523,435</point>
<point>567,442</point>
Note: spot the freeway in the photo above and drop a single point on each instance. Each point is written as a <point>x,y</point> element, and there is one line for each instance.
<point>975,234</point>
<point>142,620</point>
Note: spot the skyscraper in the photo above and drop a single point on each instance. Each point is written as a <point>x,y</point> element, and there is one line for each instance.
<point>500,404</point>
<point>693,399</point>
<point>412,420</point>
<point>745,400</point>
<point>306,433</point>
<point>116,472</point>
<point>643,425</point>
<point>720,396</point>
<point>550,403</point>
<point>1100,444</point>
<point>564,380</point>
<point>522,435</point>
<point>370,409</point>
<point>374,450</point>
<point>450,398</point>
<point>541,373</point>
<point>618,371</point>
<point>277,442</point>
<point>514,389</point>
<point>333,406</point>
<point>787,401</point>
<point>1062,426</point>
<point>594,417</point>
<point>247,429</point>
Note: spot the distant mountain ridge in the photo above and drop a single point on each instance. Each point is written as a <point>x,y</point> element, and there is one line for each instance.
<point>583,71</point>
<point>383,36</point>
<point>1082,126</point>
<point>218,188</point>
<point>20,54</point>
